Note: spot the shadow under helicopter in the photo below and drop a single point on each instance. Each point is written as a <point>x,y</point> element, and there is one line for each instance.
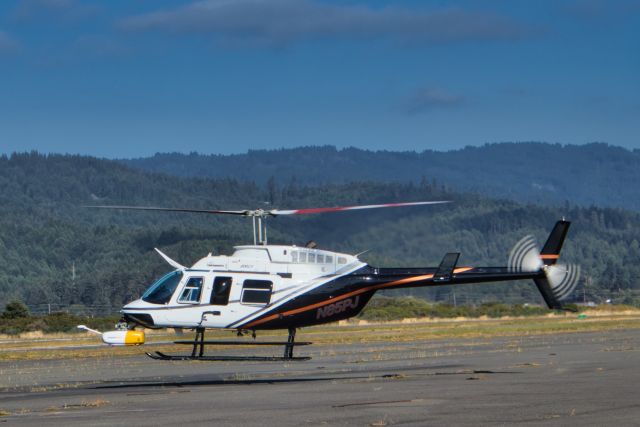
<point>363,375</point>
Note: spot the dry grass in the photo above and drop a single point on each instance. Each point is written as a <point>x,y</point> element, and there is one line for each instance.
<point>80,336</point>
<point>58,346</point>
<point>474,328</point>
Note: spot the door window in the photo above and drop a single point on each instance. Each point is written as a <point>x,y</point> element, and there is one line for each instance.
<point>221,290</point>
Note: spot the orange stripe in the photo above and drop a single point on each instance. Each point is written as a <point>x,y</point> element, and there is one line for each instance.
<point>348,295</point>
<point>339,298</point>
<point>550,256</point>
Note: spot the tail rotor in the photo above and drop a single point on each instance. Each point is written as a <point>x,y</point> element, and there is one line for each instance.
<point>559,279</point>
<point>525,255</point>
<point>563,279</point>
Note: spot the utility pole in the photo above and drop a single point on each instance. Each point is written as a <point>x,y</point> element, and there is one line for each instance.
<point>74,291</point>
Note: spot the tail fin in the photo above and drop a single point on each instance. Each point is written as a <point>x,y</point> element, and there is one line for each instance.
<point>547,293</point>
<point>551,249</point>
<point>559,280</point>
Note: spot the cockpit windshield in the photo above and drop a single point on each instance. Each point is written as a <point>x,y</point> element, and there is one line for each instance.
<point>162,290</point>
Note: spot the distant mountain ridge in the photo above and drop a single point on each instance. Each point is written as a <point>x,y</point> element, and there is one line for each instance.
<point>592,174</point>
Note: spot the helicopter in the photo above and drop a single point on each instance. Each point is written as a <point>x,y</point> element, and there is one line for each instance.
<point>263,286</point>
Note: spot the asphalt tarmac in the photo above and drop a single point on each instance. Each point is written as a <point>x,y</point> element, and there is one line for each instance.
<point>586,379</point>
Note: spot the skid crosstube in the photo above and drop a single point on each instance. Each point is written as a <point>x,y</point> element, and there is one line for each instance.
<point>275,343</point>
<point>161,356</point>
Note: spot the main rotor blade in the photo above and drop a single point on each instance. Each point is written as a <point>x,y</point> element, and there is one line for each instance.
<point>151,208</point>
<point>276,212</point>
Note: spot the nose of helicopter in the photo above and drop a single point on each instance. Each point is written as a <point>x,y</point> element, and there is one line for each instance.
<point>137,312</point>
<point>139,304</point>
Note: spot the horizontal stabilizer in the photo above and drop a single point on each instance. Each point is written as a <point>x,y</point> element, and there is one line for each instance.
<point>447,265</point>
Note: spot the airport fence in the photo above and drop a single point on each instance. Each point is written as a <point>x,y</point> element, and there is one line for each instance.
<point>75,309</point>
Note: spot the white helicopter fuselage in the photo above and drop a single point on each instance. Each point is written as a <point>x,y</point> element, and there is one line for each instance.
<point>229,291</point>
<point>265,286</point>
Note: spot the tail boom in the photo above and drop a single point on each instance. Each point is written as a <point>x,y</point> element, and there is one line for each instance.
<point>346,296</point>
<point>554,281</point>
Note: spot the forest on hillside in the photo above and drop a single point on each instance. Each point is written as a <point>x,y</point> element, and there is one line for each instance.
<point>593,174</point>
<point>55,251</point>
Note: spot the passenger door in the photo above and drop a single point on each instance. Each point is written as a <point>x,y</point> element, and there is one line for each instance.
<point>217,313</point>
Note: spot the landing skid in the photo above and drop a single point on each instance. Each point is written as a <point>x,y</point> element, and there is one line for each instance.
<point>198,350</point>
<point>161,356</point>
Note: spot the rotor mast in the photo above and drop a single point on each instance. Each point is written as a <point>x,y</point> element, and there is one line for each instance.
<point>258,219</point>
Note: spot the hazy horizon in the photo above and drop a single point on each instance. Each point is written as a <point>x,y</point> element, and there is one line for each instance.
<point>246,151</point>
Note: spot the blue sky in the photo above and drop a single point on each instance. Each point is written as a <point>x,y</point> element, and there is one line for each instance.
<point>135,77</point>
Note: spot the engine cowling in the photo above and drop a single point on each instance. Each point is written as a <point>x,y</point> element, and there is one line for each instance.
<point>123,337</point>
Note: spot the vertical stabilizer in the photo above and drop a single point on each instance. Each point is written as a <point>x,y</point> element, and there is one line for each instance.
<point>551,249</point>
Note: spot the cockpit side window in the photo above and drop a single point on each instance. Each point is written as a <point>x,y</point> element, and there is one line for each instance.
<point>162,290</point>
<point>192,290</point>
